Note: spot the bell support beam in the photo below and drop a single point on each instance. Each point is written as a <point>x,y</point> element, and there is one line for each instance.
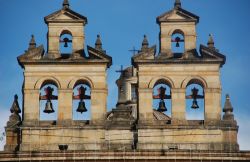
<point>212,104</point>
<point>178,105</point>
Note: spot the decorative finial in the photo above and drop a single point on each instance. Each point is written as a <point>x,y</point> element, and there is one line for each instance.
<point>32,43</point>
<point>210,42</point>
<point>65,4</point>
<point>145,43</point>
<point>15,106</point>
<point>228,109</point>
<point>177,4</point>
<point>98,43</point>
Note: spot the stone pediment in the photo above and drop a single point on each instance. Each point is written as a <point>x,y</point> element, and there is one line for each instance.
<point>212,53</point>
<point>177,14</point>
<point>99,55</point>
<point>65,14</point>
<point>32,54</point>
<point>148,54</point>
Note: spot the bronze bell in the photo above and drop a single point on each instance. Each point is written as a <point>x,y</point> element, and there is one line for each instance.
<point>162,106</point>
<point>48,107</point>
<point>81,107</point>
<point>195,104</point>
<point>66,40</point>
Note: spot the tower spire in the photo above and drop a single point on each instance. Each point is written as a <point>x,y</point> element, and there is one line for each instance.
<point>210,42</point>
<point>98,43</point>
<point>145,43</point>
<point>177,4</point>
<point>32,43</point>
<point>65,4</point>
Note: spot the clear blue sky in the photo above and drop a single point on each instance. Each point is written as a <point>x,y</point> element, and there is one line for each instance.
<point>122,24</point>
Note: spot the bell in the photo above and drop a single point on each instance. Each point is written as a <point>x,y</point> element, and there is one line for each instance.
<point>162,106</point>
<point>81,107</point>
<point>48,107</point>
<point>177,44</point>
<point>66,40</point>
<point>195,105</point>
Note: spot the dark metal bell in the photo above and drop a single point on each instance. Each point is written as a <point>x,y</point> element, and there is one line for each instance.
<point>81,107</point>
<point>177,44</point>
<point>162,106</point>
<point>66,40</point>
<point>195,105</point>
<point>48,107</point>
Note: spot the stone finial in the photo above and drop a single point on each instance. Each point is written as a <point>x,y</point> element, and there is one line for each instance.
<point>15,106</point>
<point>14,118</point>
<point>145,43</point>
<point>32,43</point>
<point>228,109</point>
<point>98,43</point>
<point>66,4</point>
<point>177,4</point>
<point>210,42</point>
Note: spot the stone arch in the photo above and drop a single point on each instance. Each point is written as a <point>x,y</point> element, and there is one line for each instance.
<point>160,79</point>
<point>42,81</point>
<point>85,80</point>
<point>65,31</point>
<point>194,79</point>
<point>177,31</point>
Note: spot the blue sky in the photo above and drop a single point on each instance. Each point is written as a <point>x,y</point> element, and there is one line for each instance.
<point>122,24</point>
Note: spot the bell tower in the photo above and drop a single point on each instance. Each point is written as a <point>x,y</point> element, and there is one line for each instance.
<point>63,91</point>
<point>65,22</point>
<point>177,22</point>
<point>176,84</point>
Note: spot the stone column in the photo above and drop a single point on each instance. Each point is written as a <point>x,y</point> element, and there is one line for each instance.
<point>145,105</point>
<point>98,105</point>
<point>212,104</point>
<point>31,107</point>
<point>65,106</point>
<point>178,105</point>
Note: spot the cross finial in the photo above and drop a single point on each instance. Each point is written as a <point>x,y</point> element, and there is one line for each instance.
<point>134,50</point>
<point>177,4</point>
<point>65,4</point>
<point>121,70</point>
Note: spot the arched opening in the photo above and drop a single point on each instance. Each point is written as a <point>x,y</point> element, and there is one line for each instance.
<point>162,97</point>
<point>195,104</point>
<point>66,42</point>
<point>82,101</point>
<point>178,43</point>
<point>48,100</point>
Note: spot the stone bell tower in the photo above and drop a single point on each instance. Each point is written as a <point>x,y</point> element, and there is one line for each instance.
<point>54,78</point>
<point>177,71</point>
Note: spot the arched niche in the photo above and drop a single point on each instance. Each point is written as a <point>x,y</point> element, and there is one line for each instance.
<point>81,100</point>
<point>85,80</point>
<point>162,100</point>
<point>161,79</point>
<point>48,100</point>
<point>195,99</point>
<point>177,42</point>
<point>66,42</point>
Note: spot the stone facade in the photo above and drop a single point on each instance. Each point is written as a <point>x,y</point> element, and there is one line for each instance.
<point>133,130</point>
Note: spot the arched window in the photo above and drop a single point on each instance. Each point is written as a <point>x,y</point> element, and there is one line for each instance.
<point>66,42</point>
<point>82,101</point>
<point>162,97</point>
<point>178,43</point>
<point>48,101</point>
<point>195,109</point>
